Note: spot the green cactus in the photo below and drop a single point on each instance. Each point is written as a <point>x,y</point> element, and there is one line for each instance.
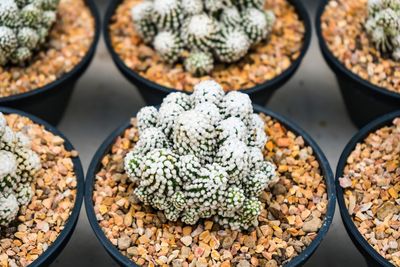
<point>199,63</point>
<point>169,46</point>
<point>200,160</point>
<point>18,167</point>
<point>24,27</point>
<point>383,26</point>
<point>212,30</point>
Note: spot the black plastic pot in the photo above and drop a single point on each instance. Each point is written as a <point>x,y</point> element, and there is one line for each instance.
<point>372,257</point>
<point>50,101</point>
<point>95,166</point>
<point>154,93</point>
<point>364,100</point>
<point>61,241</point>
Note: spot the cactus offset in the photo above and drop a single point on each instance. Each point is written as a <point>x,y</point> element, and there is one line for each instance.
<point>203,159</point>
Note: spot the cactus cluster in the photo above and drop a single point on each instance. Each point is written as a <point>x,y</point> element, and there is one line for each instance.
<point>18,166</point>
<point>24,27</point>
<point>383,26</point>
<point>200,156</point>
<point>198,32</point>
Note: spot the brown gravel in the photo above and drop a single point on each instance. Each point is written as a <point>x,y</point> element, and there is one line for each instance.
<point>290,219</point>
<point>265,62</point>
<point>342,28</point>
<point>39,224</point>
<point>69,40</point>
<point>372,184</point>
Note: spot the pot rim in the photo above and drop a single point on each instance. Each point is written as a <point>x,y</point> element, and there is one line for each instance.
<point>337,66</point>
<point>297,261</point>
<point>300,10</point>
<point>80,186</point>
<point>77,71</point>
<point>348,222</point>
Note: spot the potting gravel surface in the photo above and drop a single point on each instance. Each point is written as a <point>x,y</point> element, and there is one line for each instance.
<point>39,224</point>
<point>292,213</point>
<point>68,42</point>
<point>342,28</point>
<point>371,182</point>
<point>266,61</point>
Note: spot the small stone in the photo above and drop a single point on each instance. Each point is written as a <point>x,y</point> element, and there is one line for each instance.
<point>385,210</point>
<point>312,225</point>
<point>249,241</point>
<point>187,240</point>
<point>124,242</point>
<point>279,189</point>
<point>243,263</point>
<point>227,243</point>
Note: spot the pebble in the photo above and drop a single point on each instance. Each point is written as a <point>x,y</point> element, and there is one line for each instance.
<point>187,240</point>
<point>124,242</point>
<point>312,225</point>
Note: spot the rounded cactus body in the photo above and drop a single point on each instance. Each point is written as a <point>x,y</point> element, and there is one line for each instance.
<point>199,63</point>
<point>208,91</point>
<point>203,159</point>
<point>256,24</point>
<point>147,117</point>
<point>169,46</point>
<point>142,18</point>
<point>230,17</point>
<point>250,3</point>
<point>200,32</point>
<point>168,14</point>
<point>192,7</point>
<point>24,27</point>
<point>232,45</point>
<point>18,167</point>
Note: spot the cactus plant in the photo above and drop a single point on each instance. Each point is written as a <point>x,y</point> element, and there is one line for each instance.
<point>24,26</point>
<point>18,167</point>
<point>383,26</point>
<point>201,32</point>
<point>200,156</point>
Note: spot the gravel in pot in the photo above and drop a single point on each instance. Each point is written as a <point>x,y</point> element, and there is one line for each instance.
<point>266,66</point>
<point>50,47</point>
<point>41,190</point>
<point>368,190</point>
<point>363,54</point>
<point>296,206</point>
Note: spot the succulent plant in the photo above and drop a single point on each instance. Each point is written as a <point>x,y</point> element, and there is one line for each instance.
<point>383,26</point>
<point>24,26</point>
<point>18,167</point>
<point>210,30</point>
<point>200,156</point>
<point>199,63</point>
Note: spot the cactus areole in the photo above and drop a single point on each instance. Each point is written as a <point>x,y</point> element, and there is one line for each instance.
<point>201,156</point>
<point>200,32</point>
<point>24,27</point>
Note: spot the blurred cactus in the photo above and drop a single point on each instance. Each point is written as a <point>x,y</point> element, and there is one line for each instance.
<point>383,26</point>
<point>226,29</point>
<point>24,27</point>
